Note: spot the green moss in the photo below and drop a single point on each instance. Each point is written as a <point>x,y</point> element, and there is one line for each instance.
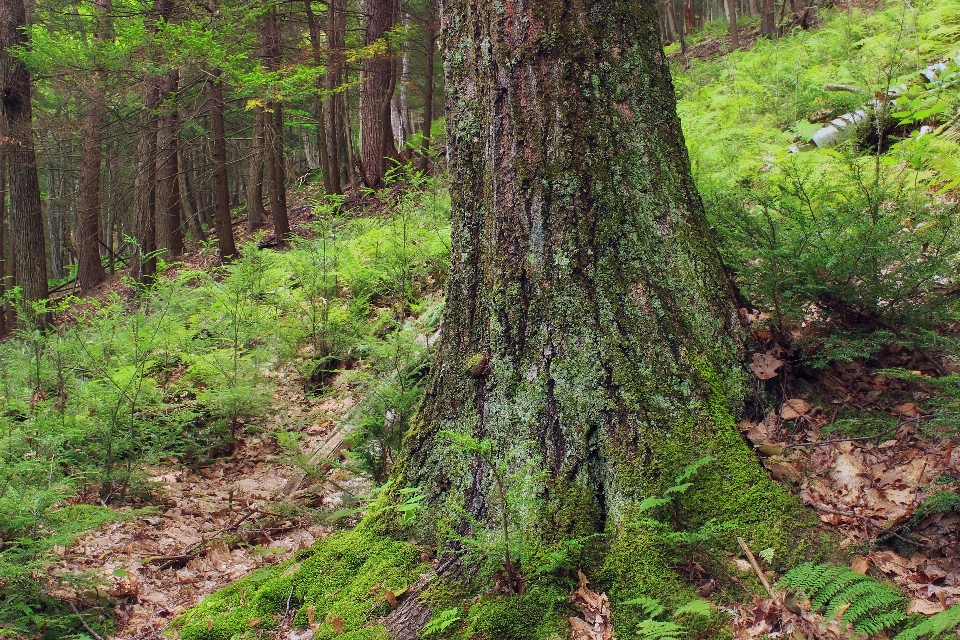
<point>340,576</point>
<point>534,615</point>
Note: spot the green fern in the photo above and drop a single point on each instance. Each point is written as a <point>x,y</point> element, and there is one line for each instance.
<point>649,607</point>
<point>933,626</point>
<point>868,605</point>
<point>655,630</point>
<point>440,621</point>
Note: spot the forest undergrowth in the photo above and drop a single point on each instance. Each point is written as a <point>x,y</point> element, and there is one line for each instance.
<point>846,258</point>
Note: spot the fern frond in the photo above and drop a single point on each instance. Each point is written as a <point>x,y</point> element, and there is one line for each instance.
<point>653,630</point>
<point>932,626</point>
<point>649,607</point>
<point>696,607</point>
<point>876,624</point>
<point>843,581</point>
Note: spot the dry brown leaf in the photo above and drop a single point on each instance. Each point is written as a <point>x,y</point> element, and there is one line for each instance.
<point>794,408</point>
<point>390,596</point>
<point>765,366</point>
<point>311,617</point>
<point>909,410</point>
<point>919,605</point>
<point>252,622</point>
<point>337,624</point>
<point>860,565</point>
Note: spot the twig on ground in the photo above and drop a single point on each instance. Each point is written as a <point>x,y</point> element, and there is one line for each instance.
<point>73,608</point>
<point>869,522</point>
<point>756,567</point>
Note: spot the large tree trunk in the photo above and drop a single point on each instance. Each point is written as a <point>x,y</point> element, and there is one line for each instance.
<point>26,217</point>
<point>589,328</point>
<point>768,27</point>
<point>378,84</point>
<point>90,270</point>
<point>221,189</point>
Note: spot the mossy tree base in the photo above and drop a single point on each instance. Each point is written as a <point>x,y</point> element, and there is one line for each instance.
<point>590,336</point>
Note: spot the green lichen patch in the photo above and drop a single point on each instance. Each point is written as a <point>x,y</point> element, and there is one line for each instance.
<point>343,576</point>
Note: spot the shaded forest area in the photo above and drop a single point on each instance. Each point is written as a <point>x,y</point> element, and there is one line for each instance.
<point>223,282</point>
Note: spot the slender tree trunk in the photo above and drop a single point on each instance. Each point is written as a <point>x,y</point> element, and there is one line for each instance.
<point>26,217</point>
<point>145,186</point>
<point>731,6</point>
<point>590,334</point>
<point>169,208</point>
<point>221,189</point>
<point>255,211</point>
<point>189,210</point>
<point>378,84</point>
<point>428,90</point>
<point>54,215</point>
<point>317,50</point>
<point>334,111</point>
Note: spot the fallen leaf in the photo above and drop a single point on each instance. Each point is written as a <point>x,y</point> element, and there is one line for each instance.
<point>919,605</point>
<point>860,565</point>
<point>769,450</point>
<point>909,410</point>
<point>391,597</point>
<point>794,408</point>
<point>337,624</point>
<point>252,622</point>
<point>765,366</point>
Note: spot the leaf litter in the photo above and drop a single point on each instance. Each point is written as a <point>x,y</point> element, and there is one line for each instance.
<point>216,523</point>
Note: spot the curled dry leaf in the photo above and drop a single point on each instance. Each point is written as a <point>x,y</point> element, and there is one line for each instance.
<point>337,624</point>
<point>595,623</point>
<point>765,366</point>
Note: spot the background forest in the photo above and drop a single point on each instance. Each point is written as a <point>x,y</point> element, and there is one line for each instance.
<point>244,209</point>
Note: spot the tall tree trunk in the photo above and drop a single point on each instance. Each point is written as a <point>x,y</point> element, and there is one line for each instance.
<point>189,208</point>
<point>255,211</point>
<point>221,189</point>
<point>428,90</point>
<point>376,138</point>
<point>334,111</point>
<point>26,217</point>
<point>169,208</point>
<point>590,334</point>
<point>731,6</point>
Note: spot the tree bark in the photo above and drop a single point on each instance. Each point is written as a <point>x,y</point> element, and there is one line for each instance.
<point>221,189</point>
<point>590,332</point>
<point>26,217</point>
<point>145,186</point>
<point>376,135</point>
<point>317,51</point>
